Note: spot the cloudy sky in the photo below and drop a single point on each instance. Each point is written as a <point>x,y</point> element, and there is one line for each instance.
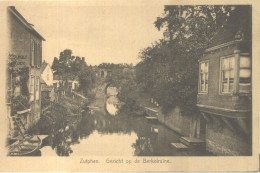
<point>112,33</point>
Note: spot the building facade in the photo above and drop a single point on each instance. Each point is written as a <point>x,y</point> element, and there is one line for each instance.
<point>47,74</point>
<point>225,87</point>
<point>25,52</point>
<point>47,88</point>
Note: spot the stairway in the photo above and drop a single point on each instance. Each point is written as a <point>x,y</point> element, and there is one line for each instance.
<point>19,125</point>
<point>189,143</point>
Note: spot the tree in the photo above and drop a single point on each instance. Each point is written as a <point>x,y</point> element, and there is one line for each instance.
<point>55,65</point>
<point>87,79</point>
<point>168,69</point>
<point>70,67</point>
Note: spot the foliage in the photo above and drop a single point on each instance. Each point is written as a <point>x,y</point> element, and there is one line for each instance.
<point>17,76</point>
<point>87,80</point>
<point>168,70</point>
<point>70,67</point>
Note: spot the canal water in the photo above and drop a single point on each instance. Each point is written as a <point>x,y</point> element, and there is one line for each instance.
<point>108,134</point>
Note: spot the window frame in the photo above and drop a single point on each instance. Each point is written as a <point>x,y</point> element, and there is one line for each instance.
<point>32,53</point>
<point>247,55</point>
<point>37,88</point>
<point>32,88</point>
<point>199,83</point>
<point>220,74</point>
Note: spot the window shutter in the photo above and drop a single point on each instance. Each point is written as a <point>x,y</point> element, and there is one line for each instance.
<point>40,55</point>
<point>32,53</point>
<point>35,58</point>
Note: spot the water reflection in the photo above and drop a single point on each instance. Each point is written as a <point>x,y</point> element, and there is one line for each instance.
<point>101,134</point>
<point>104,135</point>
<point>112,102</point>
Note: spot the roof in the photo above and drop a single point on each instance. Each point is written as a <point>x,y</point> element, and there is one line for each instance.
<point>42,81</point>
<point>44,65</point>
<point>239,26</point>
<point>24,21</point>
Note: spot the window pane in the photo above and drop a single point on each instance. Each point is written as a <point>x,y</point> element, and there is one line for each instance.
<point>245,73</point>
<point>206,67</point>
<point>245,80</point>
<point>225,75</point>
<point>203,76</point>
<point>225,64</point>
<point>224,87</point>
<point>231,62</point>
<point>202,87</point>
<point>231,86</point>
<point>231,76</point>
<point>202,67</point>
<point>245,62</point>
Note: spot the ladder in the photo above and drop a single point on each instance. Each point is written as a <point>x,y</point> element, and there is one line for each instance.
<point>20,125</point>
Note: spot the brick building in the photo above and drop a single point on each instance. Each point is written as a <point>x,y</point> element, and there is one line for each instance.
<point>224,96</point>
<point>25,48</point>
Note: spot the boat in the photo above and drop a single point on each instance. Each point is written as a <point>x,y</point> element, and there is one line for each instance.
<point>25,147</point>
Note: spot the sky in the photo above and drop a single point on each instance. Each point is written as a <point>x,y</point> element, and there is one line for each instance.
<point>113,34</point>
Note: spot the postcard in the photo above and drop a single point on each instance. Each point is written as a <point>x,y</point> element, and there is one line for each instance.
<point>129,86</point>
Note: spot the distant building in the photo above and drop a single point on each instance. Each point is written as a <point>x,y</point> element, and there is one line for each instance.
<point>65,84</point>
<point>225,88</point>
<point>25,46</point>
<point>47,88</point>
<point>47,74</point>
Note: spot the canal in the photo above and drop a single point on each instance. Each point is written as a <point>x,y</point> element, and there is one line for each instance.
<point>108,134</point>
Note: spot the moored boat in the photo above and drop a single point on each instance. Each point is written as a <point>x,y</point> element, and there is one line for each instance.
<point>25,147</point>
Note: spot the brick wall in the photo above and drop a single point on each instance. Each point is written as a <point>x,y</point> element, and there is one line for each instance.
<point>223,141</point>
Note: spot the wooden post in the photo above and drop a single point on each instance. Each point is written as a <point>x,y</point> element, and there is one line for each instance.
<point>236,71</point>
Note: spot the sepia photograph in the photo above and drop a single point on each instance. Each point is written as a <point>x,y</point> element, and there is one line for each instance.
<point>118,81</point>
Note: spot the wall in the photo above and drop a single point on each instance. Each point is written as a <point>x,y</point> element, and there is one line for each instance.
<point>47,71</point>
<point>213,97</point>
<point>223,141</point>
<point>184,125</point>
<point>20,46</point>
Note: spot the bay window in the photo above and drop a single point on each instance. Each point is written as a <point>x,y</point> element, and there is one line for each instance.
<point>245,74</point>
<point>203,77</point>
<point>235,74</point>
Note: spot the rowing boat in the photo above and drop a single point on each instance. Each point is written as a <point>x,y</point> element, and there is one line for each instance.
<point>25,147</point>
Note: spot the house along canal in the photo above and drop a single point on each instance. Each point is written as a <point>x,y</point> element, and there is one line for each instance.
<point>104,133</point>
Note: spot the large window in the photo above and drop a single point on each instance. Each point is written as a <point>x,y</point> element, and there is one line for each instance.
<point>227,74</point>
<point>245,74</point>
<point>203,77</point>
<point>35,54</point>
